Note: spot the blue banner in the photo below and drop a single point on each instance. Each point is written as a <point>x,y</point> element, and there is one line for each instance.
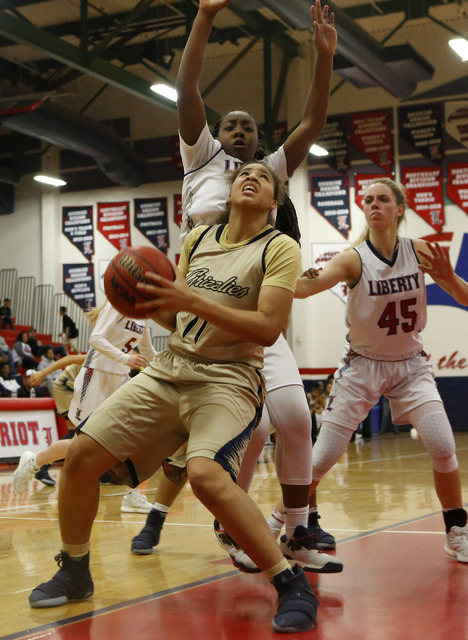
<point>77,226</point>
<point>151,220</point>
<point>330,197</point>
<point>78,284</point>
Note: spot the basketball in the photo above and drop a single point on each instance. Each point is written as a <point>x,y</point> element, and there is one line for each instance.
<point>126,270</point>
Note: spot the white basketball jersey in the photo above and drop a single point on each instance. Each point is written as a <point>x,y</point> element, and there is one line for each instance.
<point>386,309</point>
<point>112,340</point>
<point>205,189</point>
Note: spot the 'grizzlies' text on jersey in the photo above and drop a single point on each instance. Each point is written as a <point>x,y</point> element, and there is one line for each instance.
<point>231,275</point>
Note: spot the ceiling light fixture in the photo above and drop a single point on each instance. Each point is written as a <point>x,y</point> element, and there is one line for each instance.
<point>318,151</point>
<point>54,182</point>
<point>460,46</point>
<point>165,91</point>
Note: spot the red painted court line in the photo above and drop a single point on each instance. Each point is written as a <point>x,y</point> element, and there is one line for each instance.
<point>394,586</point>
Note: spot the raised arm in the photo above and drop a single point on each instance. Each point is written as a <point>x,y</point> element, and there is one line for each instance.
<point>190,107</point>
<point>344,267</point>
<point>436,263</point>
<point>314,116</point>
<point>37,377</point>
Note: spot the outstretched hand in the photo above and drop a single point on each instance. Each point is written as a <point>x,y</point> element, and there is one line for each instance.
<point>324,29</point>
<point>439,266</point>
<point>165,295</point>
<point>36,378</point>
<point>311,273</point>
<point>212,7</point>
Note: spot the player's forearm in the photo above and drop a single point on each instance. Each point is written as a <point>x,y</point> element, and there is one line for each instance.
<point>455,287</point>
<point>191,64</point>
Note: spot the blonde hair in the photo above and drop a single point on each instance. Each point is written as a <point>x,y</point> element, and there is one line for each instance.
<point>398,191</point>
<point>92,314</point>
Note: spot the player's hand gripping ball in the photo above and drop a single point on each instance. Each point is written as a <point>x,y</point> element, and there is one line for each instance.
<point>126,270</point>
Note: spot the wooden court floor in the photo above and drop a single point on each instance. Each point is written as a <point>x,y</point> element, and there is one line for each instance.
<point>397,583</point>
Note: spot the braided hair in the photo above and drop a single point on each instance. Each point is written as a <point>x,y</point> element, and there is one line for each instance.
<point>286,220</point>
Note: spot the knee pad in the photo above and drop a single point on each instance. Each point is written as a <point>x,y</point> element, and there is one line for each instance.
<point>331,443</point>
<point>437,436</point>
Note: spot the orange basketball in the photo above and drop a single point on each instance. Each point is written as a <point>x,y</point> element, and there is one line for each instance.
<point>126,270</point>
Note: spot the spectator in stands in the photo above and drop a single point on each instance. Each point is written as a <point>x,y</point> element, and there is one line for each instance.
<point>5,314</point>
<point>48,359</point>
<point>9,381</point>
<point>38,348</point>
<point>36,345</point>
<point>25,389</point>
<point>69,331</point>
<point>24,351</point>
<point>6,355</point>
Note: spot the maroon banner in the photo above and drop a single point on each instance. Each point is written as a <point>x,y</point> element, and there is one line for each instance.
<point>371,133</point>
<point>178,209</point>
<point>361,181</point>
<point>421,126</point>
<point>334,139</point>
<point>424,193</point>
<point>114,222</point>
<point>457,184</point>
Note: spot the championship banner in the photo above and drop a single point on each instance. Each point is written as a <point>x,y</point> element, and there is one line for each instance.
<point>456,121</point>
<point>151,221</point>
<point>114,223</point>
<point>334,139</point>
<point>421,126</point>
<point>323,252</point>
<point>361,181</point>
<point>77,226</point>
<point>457,184</point>
<point>178,209</point>
<point>371,133</point>
<point>78,284</point>
<point>330,197</point>
<point>424,192</point>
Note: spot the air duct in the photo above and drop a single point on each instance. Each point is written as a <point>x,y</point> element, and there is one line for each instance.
<point>396,69</point>
<point>70,130</point>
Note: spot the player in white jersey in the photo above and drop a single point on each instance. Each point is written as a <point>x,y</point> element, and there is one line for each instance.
<point>386,311</point>
<point>205,157</point>
<point>231,296</point>
<point>106,368</point>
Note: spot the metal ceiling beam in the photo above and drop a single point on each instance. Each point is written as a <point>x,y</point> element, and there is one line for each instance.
<point>22,32</point>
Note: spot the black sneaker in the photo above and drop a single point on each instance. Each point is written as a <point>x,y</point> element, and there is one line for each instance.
<point>148,538</point>
<point>44,477</point>
<point>297,608</point>
<point>71,582</point>
<point>324,540</point>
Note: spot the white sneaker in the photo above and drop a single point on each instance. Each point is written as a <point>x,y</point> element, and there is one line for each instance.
<point>302,548</point>
<point>25,471</point>
<point>134,502</point>
<point>238,557</point>
<point>456,544</point>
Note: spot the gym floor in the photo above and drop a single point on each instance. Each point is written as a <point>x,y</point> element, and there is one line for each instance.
<point>379,502</point>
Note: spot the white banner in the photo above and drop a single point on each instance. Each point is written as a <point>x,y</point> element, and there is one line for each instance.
<point>25,428</point>
<point>322,252</point>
